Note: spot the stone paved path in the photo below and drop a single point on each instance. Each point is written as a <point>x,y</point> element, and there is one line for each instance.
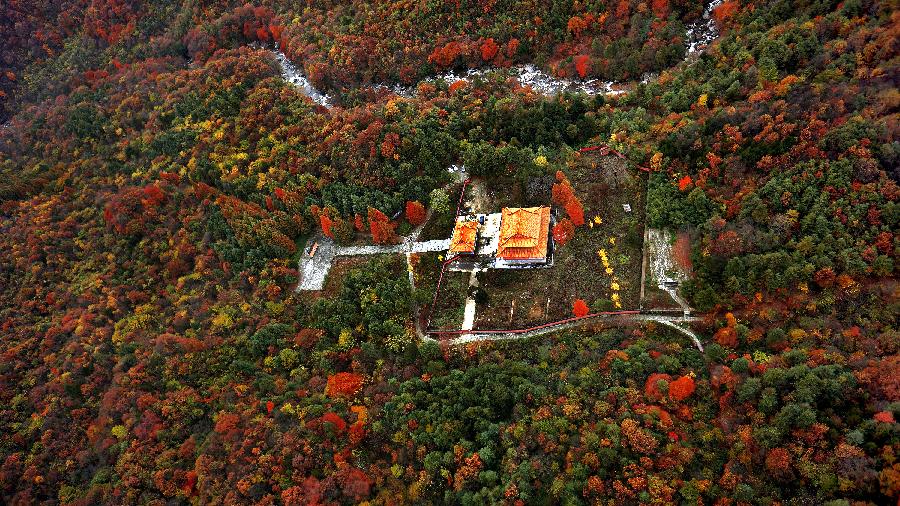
<point>403,247</point>
<point>469,313</point>
<point>314,269</point>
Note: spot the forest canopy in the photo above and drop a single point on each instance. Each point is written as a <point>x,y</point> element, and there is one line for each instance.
<point>160,179</point>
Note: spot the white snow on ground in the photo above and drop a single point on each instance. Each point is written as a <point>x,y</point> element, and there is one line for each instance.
<point>699,35</point>
<point>662,267</point>
<point>527,75</point>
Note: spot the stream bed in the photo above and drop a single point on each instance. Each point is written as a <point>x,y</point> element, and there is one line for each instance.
<point>699,35</point>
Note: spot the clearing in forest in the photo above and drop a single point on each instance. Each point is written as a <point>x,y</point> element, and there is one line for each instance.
<point>601,264</point>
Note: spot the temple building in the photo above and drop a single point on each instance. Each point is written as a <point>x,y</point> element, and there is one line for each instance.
<point>524,236</point>
<point>516,237</point>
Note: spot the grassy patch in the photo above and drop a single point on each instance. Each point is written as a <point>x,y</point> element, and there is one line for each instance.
<point>448,312</point>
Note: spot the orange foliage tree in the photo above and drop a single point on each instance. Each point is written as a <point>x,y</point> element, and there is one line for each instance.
<point>381,227</point>
<point>563,231</point>
<point>415,212</point>
<point>682,388</point>
<point>727,335</point>
<point>344,384</point>
<point>563,195</point>
<point>580,308</point>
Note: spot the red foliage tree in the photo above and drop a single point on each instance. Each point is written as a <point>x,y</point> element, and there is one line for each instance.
<point>728,243</point>
<point>580,308</point>
<point>778,462</point>
<point>153,196</point>
<point>682,388</point>
<point>511,47</point>
<point>725,11</point>
<point>651,387</point>
<point>357,433</point>
<point>326,224</point>
<point>446,55</point>
<point>415,212</point>
<point>575,211</point>
<point>582,62</point>
<point>344,384</point>
<point>381,227</point>
<point>355,483</point>
<point>489,49</point>
<point>660,8</point>
<point>563,231</point>
<point>308,493</point>
<point>336,421</point>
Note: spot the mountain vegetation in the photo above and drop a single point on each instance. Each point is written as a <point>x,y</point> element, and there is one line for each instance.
<point>159,180</point>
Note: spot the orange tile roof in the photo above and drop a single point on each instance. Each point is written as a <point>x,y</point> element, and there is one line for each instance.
<point>464,234</point>
<point>524,232</point>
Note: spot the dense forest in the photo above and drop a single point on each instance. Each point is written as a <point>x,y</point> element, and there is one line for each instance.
<point>159,179</point>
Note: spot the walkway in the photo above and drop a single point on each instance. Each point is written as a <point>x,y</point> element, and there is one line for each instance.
<point>314,269</point>
<point>469,313</point>
<point>669,321</point>
<point>386,249</point>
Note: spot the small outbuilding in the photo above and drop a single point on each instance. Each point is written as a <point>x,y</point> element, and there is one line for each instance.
<point>465,234</point>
